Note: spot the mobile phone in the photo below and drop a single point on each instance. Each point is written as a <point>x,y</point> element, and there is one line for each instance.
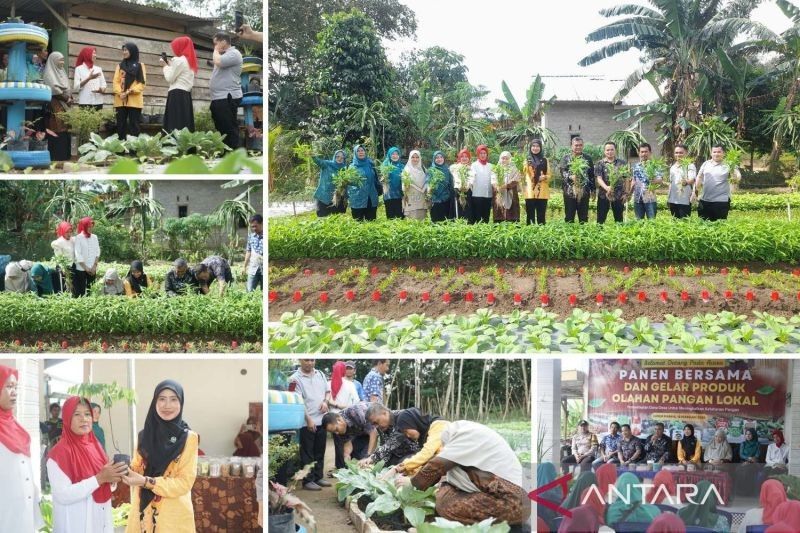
<point>164,57</point>
<point>239,20</point>
<point>122,458</point>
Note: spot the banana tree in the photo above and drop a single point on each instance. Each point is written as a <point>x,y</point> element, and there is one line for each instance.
<point>527,120</point>
<point>134,199</point>
<point>370,116</point>
<point>231,213</point>
<point>69,200</point>
<point>462,125</point>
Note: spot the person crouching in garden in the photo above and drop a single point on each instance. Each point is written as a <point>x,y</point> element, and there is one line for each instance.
<point>45,279</point>
<point>439,185</point>
<point>112,284</point>
<point>180,280</point>
<point>87,256</point>
<point>18,277</point>
<point>423,430</point>
<point>210,269</point>
<point>254,254</point>
<point>352,429</point>
<point>136,280</point>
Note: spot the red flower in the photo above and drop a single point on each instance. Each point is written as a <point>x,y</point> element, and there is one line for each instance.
<point>729,295</point>
<point>426,296</point>
<point>297,296</point>
<point>403,296</point>
<point>573,299</point>
<point>234,344</point>
<point>642,296</point>
<point>517,298</point>
<point>749,296</point>
<point>331,272</point>
<point>622,297</point>
<point>723,271</point>
<point>376,296</point>
<point>64,345</point>
<point>684,296</point>
<point>323,297</point>
<point>490,298</point>
<point>273,296</point>
<point>350,296</point>
<point>374,271</point>
<point>469,297</point>
<point>626,270</point>
<point>446,297</point>
<point>307,272</point>
<point>599,298</point>
<point>704,295</point>
<point>775,296</point>
<point>461,270</point>
<point>663,296</point>
<point>545,299</point>
<point>671,271</point>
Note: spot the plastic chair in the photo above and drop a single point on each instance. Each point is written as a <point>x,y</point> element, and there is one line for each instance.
<point>761,528</point>
<point>728,516</point>
<point>631,527</point>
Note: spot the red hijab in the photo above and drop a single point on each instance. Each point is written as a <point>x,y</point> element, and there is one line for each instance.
<point>606,478</point>
<point>183,46</point>
<point>85,226</point>
<point>779,434</point>
<point>63,228</point>
<point>667,523</point>
<point>478,153</point>
<point>663,478</point>
<point>337,375</point>
<point>12,435</point>
<point>466,152</point>
<point>85,57</point>
<point>584,520</point>
<point>593,500</point>
<point>787,518</point>
<point>80,457</point>
<point>773,493</point>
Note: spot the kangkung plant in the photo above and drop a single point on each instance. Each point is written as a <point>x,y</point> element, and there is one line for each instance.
<point>463,176</point>
<point>578,170</point>
<point>654,170</point>
<point>385,171</point>
<point>436,179</point>
<point>346,177</point>
<point>616,175</point>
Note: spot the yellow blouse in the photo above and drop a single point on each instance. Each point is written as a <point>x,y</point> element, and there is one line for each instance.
<point>130,293</point>
<point>173,512</point>
<point>432,446</point>
<point>698,453</point>
<point>542,189</point>
<point>135,96</point>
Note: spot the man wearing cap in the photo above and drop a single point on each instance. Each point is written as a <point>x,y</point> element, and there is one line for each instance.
<point>584,449</point>
<point>350,373</point>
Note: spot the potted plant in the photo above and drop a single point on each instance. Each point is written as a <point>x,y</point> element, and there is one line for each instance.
<point>16,142</point>
<point>108,395</point>
<point>284,507</point>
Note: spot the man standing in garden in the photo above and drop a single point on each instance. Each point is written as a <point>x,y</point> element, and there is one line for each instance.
<point>644,200</point>
<point>350,373</point>
<point>254,254</point>
<point>578,184</point>
<point>373,383</point>
<point>225,87</point>
<point>313,387</point>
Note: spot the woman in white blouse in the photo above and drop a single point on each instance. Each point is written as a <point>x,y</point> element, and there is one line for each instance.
<point>481,177</point>
<point>87,256</point>
<point>64,246</point>
<point>179,73</point>
<point>414,196</point>
<point>89,81</point>
<point>19,495</point>
<point>777,455</point>
<point>714,177</point>
<point>80,474</point>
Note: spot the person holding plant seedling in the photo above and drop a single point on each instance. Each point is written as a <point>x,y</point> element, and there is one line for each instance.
<point>425,430</point>
<point>395,446</point>
<point>254,254</point>
<point>45,279</point>
<point>612,176</point>
<point>210,269</point>
<point>577,170</point>
<point>506,185</point>
<point>64,254</point>
<point>537,184</point>
<point>438,187</point>
<point>391,170</point>
<point>81,476</point>
<point>714,181</point>
<point>363,197</point>
<point>682,175</point>
<point>325,189</point>
<point>59,142</point>
<point>180,279</point>
<point>481,179</point>
<point>89,81</point>
<point>462,196</point>
<point>129,84</point>
<point>647,176</point>
<point>413,177</point>
<point>19,494</point>
<point>136,280</point>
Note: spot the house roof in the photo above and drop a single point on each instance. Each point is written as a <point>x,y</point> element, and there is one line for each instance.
<point>36,6</point>
<point>595,88</point>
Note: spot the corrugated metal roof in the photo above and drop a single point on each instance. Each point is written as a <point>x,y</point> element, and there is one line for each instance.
<point>37,6</point>
<point>593,88</point>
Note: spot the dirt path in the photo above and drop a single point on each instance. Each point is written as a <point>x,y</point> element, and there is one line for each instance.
<point>331,517</point>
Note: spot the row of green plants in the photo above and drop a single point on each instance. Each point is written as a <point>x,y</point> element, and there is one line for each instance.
<point>536,331</point>
<point>766,241</point>
<point>236,313</point>
<point>153,148</point>
<point>130,345</point>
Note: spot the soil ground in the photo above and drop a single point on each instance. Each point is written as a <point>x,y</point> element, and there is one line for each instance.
<point>330,515</point>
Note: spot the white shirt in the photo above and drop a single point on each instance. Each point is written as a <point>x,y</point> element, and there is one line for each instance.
<point>74,508</point>
<point>716,181</point>
<point>19,494</point>
<point>87,251</point>
<point>86,96</point>
<point>348,395</point>
<point>64,248</point>
<point>481,177</point>
<point>678,194</point>
<point>178,74</point>
<point>777,456</point>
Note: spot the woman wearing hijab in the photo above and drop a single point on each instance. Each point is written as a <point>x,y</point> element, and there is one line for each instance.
<point>325,188</point>
<point>426,431</point>
<point>136,280</point>
<point>787,518</point>
<point>179,72</point>
<point>584,520</point>
<point>631,508</point>
<point>19,495</point>
<point>393,188</point>
<point>606,478</point>
<point>480,476</point>
<point>440,192</point>
<point>777,454</point>
<point>718,450</point>
<point>773,493</point>
<point>164,467</point>
<point>747,472</point>
<point>112,284</point>
<point>43,278</point>
<point>703,511</point>
<point>546,473</point>
<point>689,449</point>
<point>537,184</point>
<point>462,196</point>
<point>364,199</point>
<point>583,482</point>
<point>63,246</point>
<point>18,277</point>
<point>87,256</point>
<point>343,391</point>
<point>482,176</point>
<point>663,487</point>
<point>80,474</point>
<point>667,523</point>
<point>130,78</point>
<point>89,81</point>
<point>414,195</point>
<point>56,77</point>
<point>506,204</point>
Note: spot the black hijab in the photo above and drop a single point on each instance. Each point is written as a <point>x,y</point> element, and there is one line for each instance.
<point>688,443</point>
<point>537,161</point>
<point>161,441</point>
<point>137,284</point>
<point>412,418</point>
<point>131,66</point>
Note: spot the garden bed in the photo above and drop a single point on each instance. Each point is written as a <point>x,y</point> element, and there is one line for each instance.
<point>379,524</point>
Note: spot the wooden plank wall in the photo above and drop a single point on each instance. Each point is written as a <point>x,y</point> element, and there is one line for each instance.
<point>107,30</point>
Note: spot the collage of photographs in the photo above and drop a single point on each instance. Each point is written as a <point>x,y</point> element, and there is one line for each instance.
<point>510,268</point>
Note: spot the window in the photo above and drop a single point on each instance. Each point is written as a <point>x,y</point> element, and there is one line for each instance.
<point>183,211</point>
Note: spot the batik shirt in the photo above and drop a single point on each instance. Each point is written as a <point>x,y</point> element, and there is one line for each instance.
<point>610,442</point>
<point>629,448</point>
<point>655,451</point>
<point>355,417</point>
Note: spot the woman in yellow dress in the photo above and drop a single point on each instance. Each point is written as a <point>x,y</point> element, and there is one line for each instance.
<point>164,467</point>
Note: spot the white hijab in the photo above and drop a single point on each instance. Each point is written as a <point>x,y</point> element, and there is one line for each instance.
<point>18,277</point>
<point>468,443</point>
<point>118,287</point>
<point>56,77</point>
<point>417,172</point>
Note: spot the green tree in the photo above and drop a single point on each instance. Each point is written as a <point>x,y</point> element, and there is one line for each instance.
<point>437,70</point>
<point>527,119</point>
<point>69,200</point>
<point>134,199</point>
<point>463,125</point>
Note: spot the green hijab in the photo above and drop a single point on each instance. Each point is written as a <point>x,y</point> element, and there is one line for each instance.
<point>750,448</point>
<point>632,510</point>
<point>45,283</point>
<point>584,481</point>
<point>703,513</point>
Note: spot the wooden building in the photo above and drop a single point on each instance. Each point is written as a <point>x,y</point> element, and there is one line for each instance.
<point>108,24</point>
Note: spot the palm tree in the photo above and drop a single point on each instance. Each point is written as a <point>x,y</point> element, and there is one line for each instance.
<point>230,213</point>
<point>69,200</point>
<point>527,119</point>
<point>371,116</point>
<point>678,38</point>
<point>134,199</point>
<point>627,140</point>
<point>461,125</point>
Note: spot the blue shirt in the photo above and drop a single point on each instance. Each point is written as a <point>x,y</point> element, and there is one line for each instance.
<point>610,442</point>
<point>641,182</point>
<point>328,168</point>
<point>360,390</point>
<point>373,385</point>
<point>255,243</point>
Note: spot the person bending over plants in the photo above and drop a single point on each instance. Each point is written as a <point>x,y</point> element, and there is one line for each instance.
<point>180,280</point>
<point>210,269</point>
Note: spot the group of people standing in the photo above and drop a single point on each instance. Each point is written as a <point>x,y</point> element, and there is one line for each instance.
<point>82,477</point>
<point>479,191</point>
<point>478,474</point>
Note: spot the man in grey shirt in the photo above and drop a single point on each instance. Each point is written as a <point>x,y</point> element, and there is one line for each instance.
<point>313,387</point>
<point>225,87</point>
